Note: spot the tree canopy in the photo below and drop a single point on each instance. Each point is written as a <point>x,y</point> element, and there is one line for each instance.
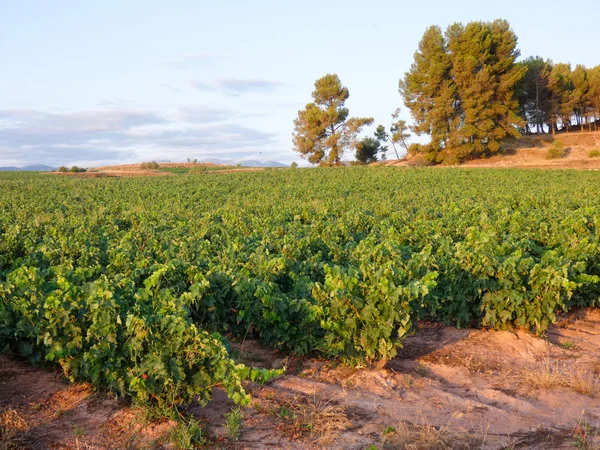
<point>460,90</point>
<point>323,129</point>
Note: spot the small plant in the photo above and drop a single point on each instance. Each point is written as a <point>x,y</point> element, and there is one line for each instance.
<point>568,345</point>
<point>233,423</point>
<point>594,153</point>
<point>585,437</point>
<point>294,165</point>
<point>389,430</point>
<point>187,435</point>
<point>557,150</point>
<point>78,431</point>
<point>285,413</point>
<point>421,370</point>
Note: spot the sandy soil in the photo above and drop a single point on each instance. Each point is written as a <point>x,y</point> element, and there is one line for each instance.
<point>447,389</point>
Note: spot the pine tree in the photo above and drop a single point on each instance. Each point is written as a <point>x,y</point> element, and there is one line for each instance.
<point>323,130</point>
<point>485,73</point>
<point>367,150</point>
<point>398,133</point>
<point>560,84</point>
<point>580,95</point>
<point>429,93</point>
<point>533,93</point>
<point>594,94</point>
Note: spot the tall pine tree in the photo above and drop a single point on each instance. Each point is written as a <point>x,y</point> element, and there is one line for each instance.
<point>485,72</point>
<point>430,94</point>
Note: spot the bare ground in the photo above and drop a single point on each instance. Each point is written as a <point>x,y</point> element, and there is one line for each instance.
<point>447,389</point>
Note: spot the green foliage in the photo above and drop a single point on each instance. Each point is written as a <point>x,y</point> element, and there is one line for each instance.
<point>367,150</point>
<point>556,151</point>
<point>132,283</point>
<point>153,165</point>
<point>398,134</point>
<point>63,169</point>
<point>74,169</point>
<point>594,153</point>
<point>294,165</point>
<point>187,435</point>
<point>323,130</point>
<point>233,423</point>
<point>461,90</point>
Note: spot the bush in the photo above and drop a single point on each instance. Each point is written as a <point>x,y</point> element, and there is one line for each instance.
<point>76,169</point>
<point>294,165</point>
<point>595,153</point>
<point>63,169</point>
<point>556,151</point>
<point>153,165</point>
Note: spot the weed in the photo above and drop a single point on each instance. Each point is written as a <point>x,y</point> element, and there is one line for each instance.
<point>389,430</point>
<point>187,435</point>
<point>233,423</point>
<point>585,437</point>
<point>569,345</point>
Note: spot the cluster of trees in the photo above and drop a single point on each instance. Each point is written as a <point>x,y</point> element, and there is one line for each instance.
<point>461,90</point>
<point>466,91</point>
<point>554,97</point>
<point>73,169</point>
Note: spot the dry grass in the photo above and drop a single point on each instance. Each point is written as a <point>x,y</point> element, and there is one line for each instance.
<point>12,425</point>
<point>428,437</point>
<point>552,375</point>
<point>314,418</point>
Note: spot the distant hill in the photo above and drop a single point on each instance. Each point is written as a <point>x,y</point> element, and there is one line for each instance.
<point>245,163</point>
<point>32,167</point>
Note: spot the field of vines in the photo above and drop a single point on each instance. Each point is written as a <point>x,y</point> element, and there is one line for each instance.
<point>139,285</point>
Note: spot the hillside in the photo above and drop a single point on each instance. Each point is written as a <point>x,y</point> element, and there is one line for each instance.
<point>530,152</point>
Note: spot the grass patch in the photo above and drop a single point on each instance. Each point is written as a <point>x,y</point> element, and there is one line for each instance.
<point>552,375</point>
<point>312,418</point>
<point>428,437</point>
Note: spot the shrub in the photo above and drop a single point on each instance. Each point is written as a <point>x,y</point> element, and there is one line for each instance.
<point>153,165</point>
<point>595,153</point>
<point>294,165</point>
<point>557,150</point>
<point>76,169</point>
<point>63,169</point>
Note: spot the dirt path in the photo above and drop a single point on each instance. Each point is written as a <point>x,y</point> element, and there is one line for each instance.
<point>448,389</point>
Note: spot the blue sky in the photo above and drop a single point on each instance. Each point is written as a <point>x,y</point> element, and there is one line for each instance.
<point>96,82</point>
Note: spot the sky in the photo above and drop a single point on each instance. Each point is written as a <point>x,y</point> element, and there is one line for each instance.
<point>107,82</point>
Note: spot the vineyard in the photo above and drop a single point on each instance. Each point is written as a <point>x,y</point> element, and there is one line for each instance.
<point>139,285</point>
